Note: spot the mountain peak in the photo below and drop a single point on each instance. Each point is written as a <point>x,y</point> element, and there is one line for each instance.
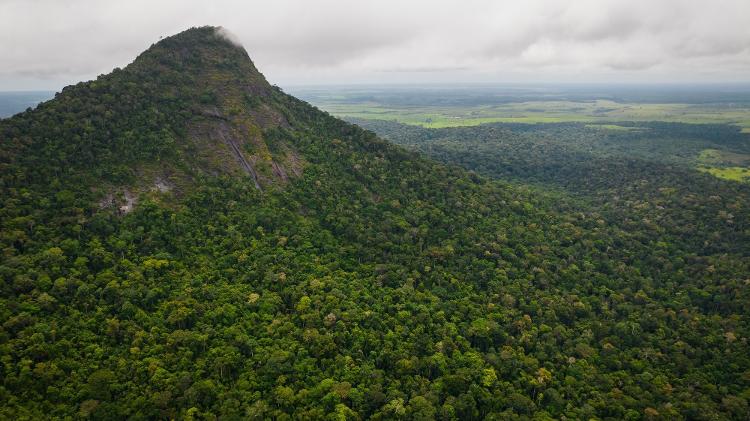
<point>203,49</point>
<point>202,37</point>
<point>191,105</point>
<point>231,102</point>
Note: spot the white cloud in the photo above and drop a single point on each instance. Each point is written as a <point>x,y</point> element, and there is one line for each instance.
<point>47,43</point>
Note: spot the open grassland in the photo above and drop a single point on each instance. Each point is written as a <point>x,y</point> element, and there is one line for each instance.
<point>595,111</point>
<point>729,173</point>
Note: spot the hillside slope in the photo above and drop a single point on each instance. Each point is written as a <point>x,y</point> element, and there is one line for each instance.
<point>263,259</point>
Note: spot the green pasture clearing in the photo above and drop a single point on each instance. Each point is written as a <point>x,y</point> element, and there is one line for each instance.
<point>728,173</point>
<point>724,164</point>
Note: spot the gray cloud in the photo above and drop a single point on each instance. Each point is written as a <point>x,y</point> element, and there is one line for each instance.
<point>48,43</point>
<point>229,36</point>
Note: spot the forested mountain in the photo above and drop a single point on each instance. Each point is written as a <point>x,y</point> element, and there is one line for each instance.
<point>181,239</point>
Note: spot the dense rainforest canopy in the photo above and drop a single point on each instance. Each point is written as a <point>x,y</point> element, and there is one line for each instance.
<point>181,239</point>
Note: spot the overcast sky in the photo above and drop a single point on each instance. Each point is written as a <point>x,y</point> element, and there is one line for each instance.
<point>46,44</point>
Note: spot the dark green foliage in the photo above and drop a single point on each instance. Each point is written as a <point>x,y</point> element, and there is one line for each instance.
<point>642,180</point>
<point>376,285</point>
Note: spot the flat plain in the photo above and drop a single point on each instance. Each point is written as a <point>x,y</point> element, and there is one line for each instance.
<point>470,106</point>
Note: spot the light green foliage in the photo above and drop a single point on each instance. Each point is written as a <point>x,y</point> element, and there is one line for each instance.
<point>489,377</point>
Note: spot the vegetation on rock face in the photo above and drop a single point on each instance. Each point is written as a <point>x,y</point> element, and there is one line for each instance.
<point>366,283</point>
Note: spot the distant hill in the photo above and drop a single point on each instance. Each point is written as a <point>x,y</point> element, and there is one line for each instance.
<point>183,240</point>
